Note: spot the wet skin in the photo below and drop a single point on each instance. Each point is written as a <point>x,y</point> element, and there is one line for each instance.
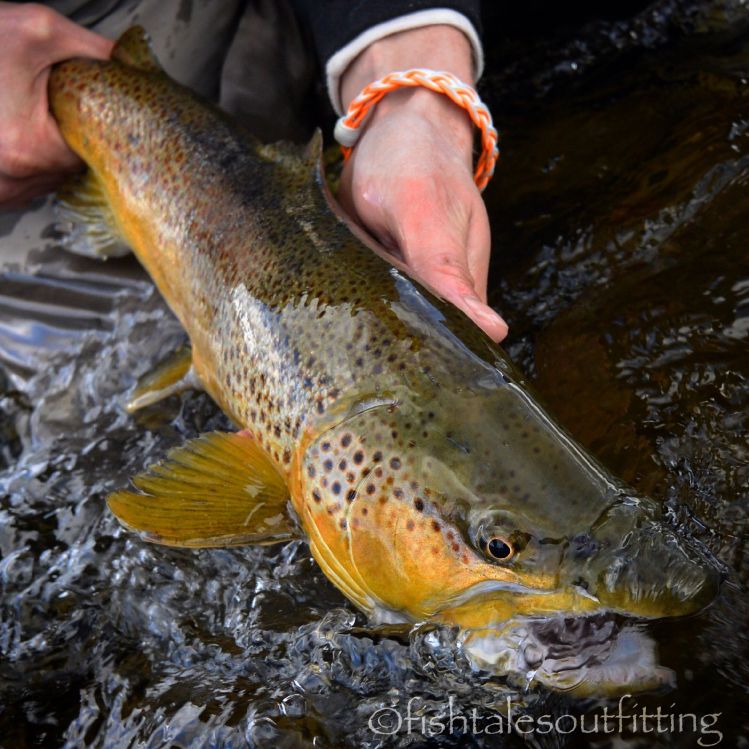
<point>428,479</point>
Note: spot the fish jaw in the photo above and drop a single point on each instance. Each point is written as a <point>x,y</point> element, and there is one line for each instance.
<point>490,604</point>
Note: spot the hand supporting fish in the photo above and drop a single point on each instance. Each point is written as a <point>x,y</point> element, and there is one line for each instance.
<point>33,156</point>
<point>410,178</point>
<point>375,419</point>
<point>421,131</point>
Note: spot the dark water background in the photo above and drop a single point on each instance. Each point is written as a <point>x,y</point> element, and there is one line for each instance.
<point>622,263</point>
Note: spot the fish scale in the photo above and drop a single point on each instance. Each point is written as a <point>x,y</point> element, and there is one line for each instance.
<point>427,478</point>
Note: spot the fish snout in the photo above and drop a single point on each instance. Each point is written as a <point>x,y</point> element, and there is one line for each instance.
<point>653,573</point>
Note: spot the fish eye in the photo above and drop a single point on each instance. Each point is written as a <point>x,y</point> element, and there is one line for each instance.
<point>497,548</point>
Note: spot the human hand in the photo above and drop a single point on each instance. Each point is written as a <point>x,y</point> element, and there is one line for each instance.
<point>409,181</point>
<point>33,155</point>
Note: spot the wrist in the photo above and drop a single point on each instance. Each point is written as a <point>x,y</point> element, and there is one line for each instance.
<point>431,108</point>
<point>437,47</point>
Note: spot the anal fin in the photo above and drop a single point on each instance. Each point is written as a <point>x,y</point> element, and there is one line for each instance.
<point>86,220</point>
<point>174,375</point>
<point>219,489</point>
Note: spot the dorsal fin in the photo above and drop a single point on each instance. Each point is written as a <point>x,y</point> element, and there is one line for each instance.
<point>292,154</point>
<point>313,149</point>
<point>134,48</point>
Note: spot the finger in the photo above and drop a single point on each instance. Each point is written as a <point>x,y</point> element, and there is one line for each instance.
<point>37,149</point>
<point>459,293</point>
<point>446,272</point>
<point>479,248</point>
<point>79,42</point>
<point>344,194</point>
<point>56,38</point>
<point>478,255</point>
<point>485,317</point>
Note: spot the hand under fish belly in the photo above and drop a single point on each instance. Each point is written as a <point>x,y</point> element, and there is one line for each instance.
<point>374,419</point>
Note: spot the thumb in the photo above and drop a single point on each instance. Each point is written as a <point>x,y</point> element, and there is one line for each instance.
<point>56,38</point>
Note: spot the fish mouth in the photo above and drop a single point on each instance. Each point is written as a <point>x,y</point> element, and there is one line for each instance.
<point>587,649</point>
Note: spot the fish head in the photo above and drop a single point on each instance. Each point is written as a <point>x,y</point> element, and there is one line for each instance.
<point>576,538</point>
<point>626,562</point>
<point>485,510</point>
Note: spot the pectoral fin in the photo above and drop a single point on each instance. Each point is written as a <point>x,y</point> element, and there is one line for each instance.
<point>219,489</point>
<point>174,375</point>
<point>86,221</point>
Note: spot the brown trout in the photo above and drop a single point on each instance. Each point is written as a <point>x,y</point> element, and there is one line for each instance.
<point>375,419</point>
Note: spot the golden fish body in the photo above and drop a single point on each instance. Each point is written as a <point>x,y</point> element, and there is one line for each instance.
<point>429,482</point>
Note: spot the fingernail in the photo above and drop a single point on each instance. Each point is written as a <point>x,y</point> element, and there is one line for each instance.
<point>478,308</point>
<point>483,314</point>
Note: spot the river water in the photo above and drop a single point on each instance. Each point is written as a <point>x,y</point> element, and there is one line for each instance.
<point>621,260</point>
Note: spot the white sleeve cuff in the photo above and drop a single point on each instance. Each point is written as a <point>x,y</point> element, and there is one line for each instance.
<point>338,63</point>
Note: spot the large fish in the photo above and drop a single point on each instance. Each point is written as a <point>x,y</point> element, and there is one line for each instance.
<point>375,419</point>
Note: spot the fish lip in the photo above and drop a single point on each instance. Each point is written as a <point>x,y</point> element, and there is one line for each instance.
<point>491,586</point>
<point>486,587</point>
<point>687,583</point>
<point>483,590</point>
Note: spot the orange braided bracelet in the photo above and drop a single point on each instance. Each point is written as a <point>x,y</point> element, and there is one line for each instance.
<point>347,128</point>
